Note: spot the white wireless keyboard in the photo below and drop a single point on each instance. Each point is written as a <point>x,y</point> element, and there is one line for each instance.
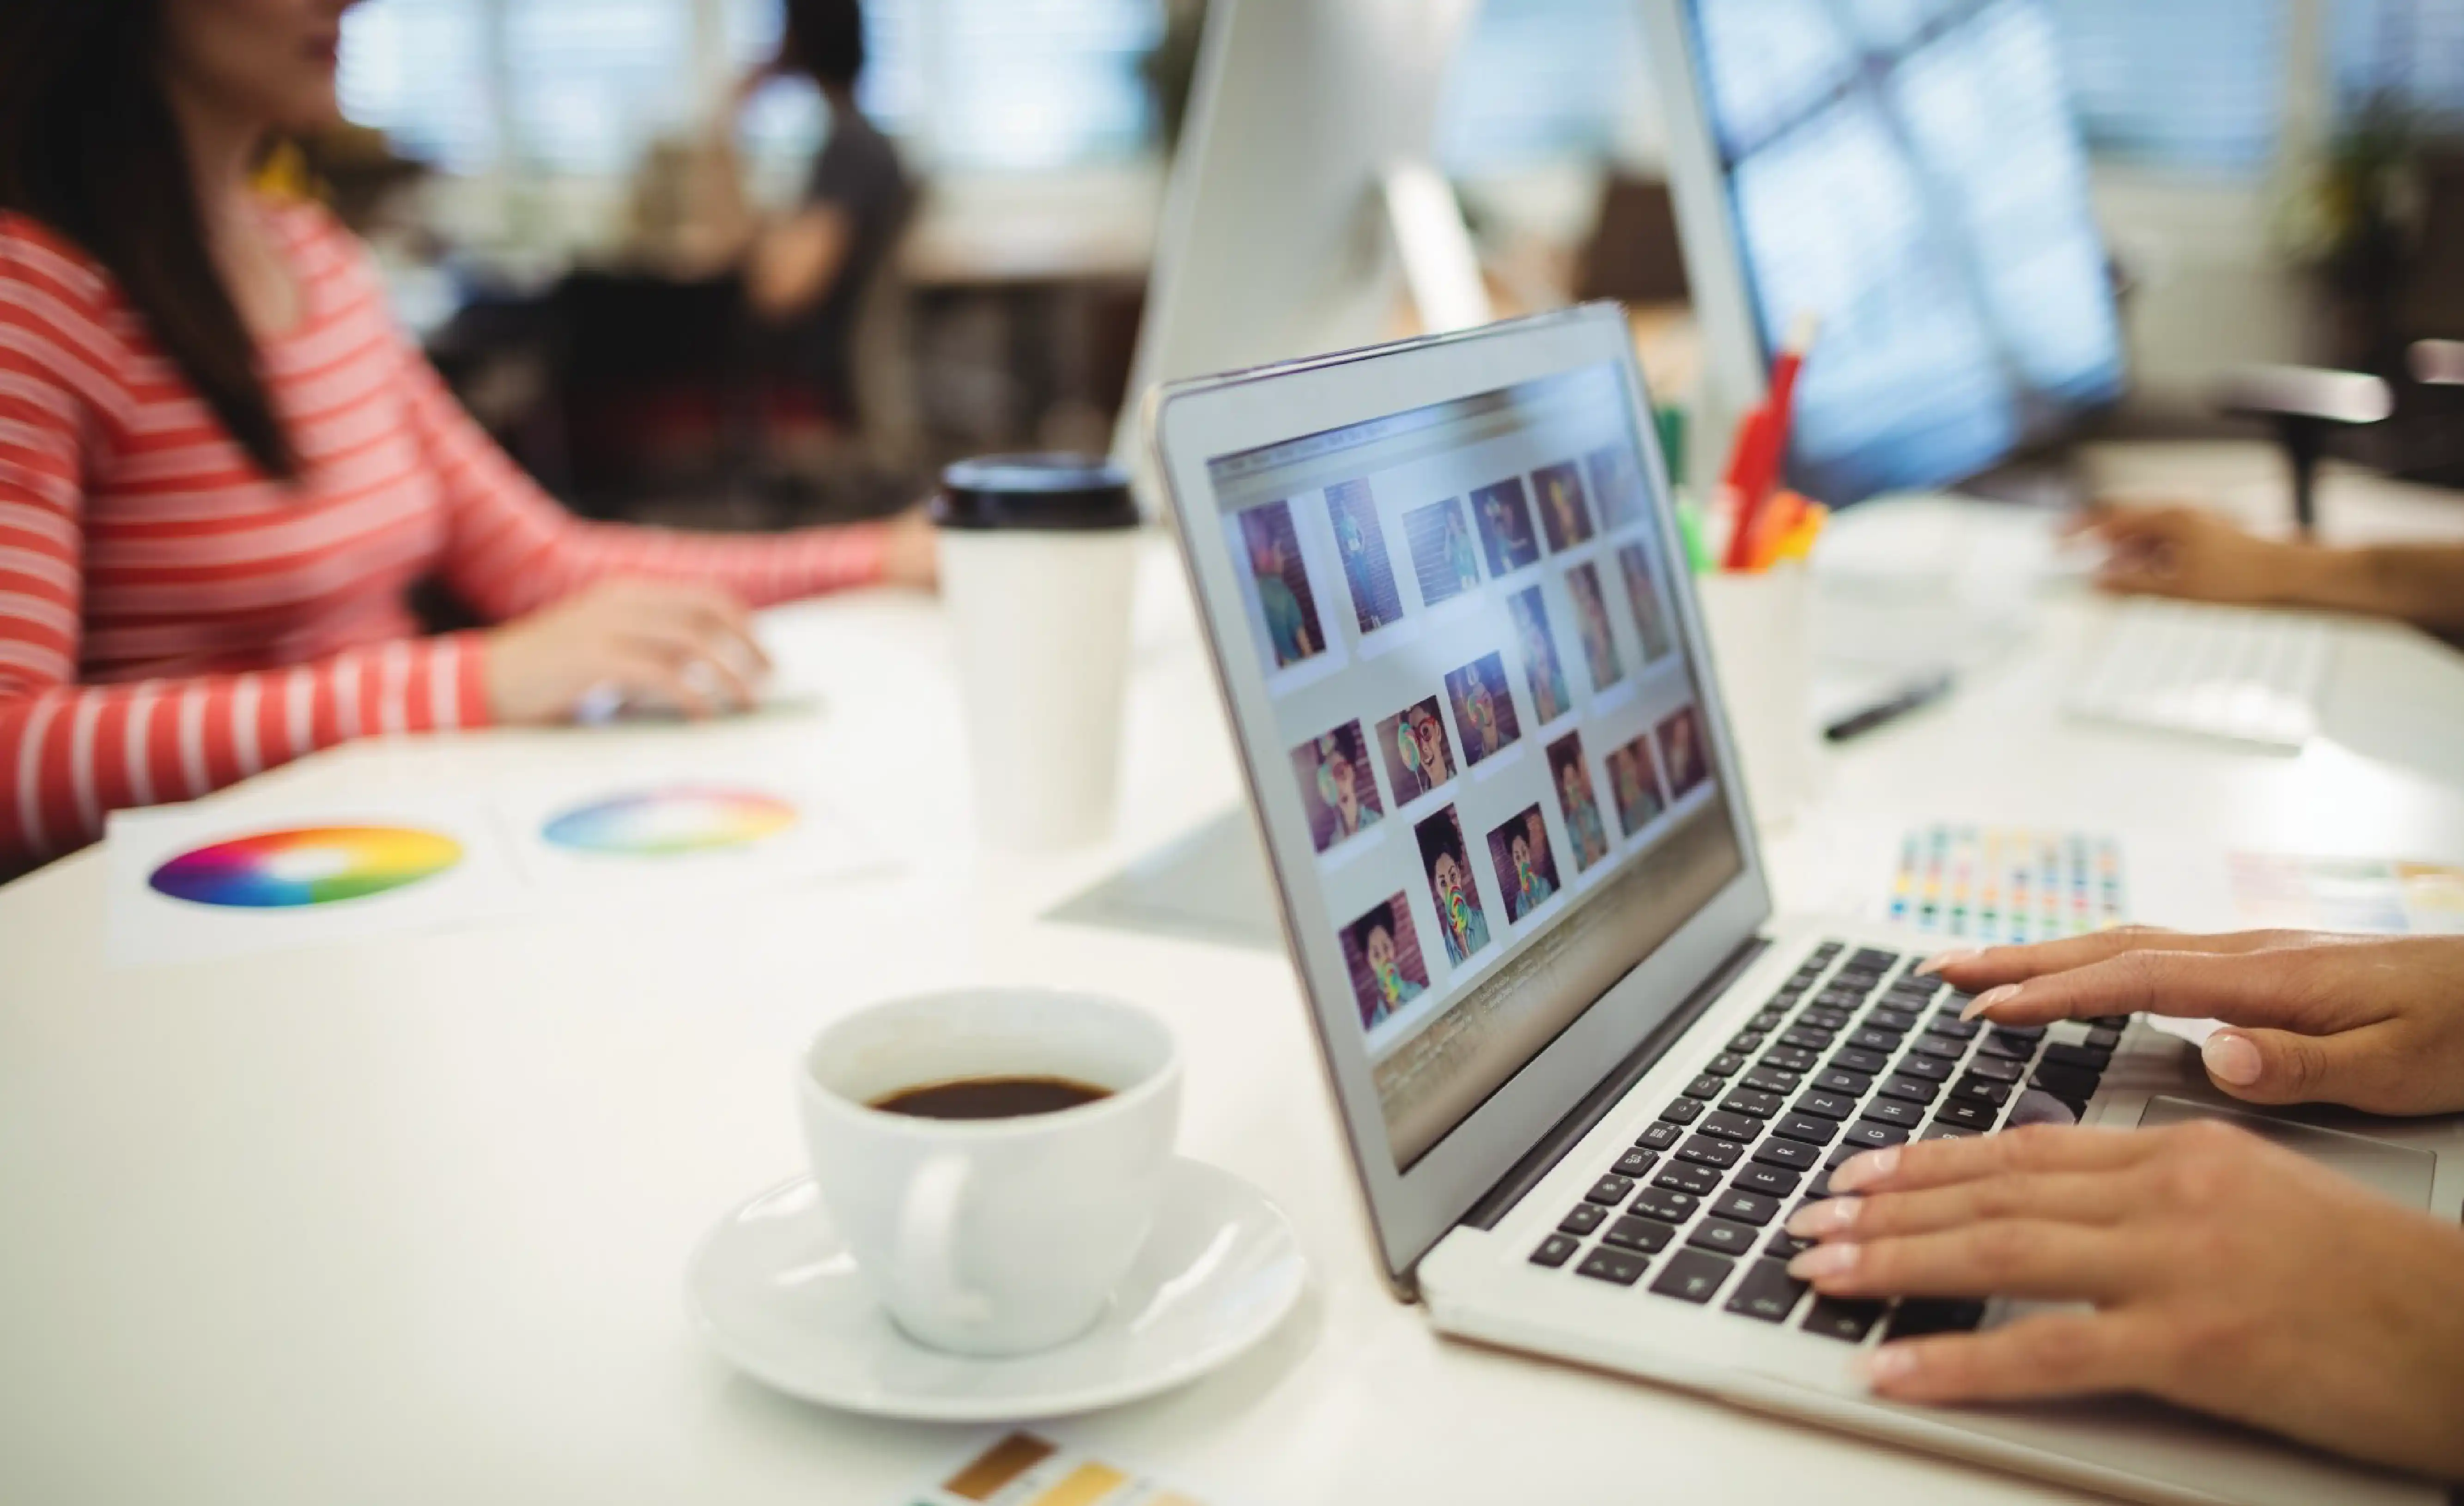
<point>2248,676</point>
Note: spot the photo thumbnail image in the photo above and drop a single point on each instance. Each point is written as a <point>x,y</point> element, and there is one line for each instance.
<point>1634,783</point>
<point>1484,707</point>
<point>1285,601</point>
<point>1682,751</point>
<point>1447,863</point>
<point>1419,758</point>
<point>1506,526</point>
<point>1336,787</point>
<point>1540,666</point>
<point>1571,776</point>
<point>1383,953</point>
<point>1591,624</point>
<point>1527,870</point>
<point>1617,485</point>
<point>1360,542</point>
<point>1442,561</point>
<point>1650,612</point>
<point>1564,515</point>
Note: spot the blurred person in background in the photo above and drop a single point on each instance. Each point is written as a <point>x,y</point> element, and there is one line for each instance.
<point>222,467</point>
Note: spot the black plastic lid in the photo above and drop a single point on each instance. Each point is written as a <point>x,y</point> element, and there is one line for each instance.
<point>1063,492</point>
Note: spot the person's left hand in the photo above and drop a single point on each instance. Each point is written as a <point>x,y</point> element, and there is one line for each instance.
<point>911,553</point>
<point>2222,1273</point>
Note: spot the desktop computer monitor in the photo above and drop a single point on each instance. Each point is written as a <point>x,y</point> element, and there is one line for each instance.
<point>1909,172</point>
<point>1295,213</point>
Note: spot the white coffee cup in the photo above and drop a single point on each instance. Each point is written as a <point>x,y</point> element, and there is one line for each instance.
<point>992,1236</point>
<point>1038,559</point>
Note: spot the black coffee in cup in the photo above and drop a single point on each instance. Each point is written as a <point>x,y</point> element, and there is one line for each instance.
<point>990,1098</point>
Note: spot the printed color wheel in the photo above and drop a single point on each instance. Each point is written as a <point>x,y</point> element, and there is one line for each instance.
<point>310,865</point>
<point>663,823</point>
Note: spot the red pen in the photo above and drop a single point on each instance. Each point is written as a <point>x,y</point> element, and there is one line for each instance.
<point>1763,442</point>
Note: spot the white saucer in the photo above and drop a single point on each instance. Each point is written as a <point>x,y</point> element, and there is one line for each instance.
<point>778,1294</point>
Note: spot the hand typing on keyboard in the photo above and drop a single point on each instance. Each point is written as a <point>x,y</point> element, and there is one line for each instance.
<point>2225,1273</point>
<point>2374,1023</point>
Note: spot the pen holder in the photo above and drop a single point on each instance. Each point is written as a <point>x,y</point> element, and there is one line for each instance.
<point>1761,648</point>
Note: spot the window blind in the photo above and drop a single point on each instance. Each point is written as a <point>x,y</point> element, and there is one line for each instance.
<point>2195,84</point>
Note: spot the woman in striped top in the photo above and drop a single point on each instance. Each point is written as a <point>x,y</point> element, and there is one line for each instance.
<point>222,467</point>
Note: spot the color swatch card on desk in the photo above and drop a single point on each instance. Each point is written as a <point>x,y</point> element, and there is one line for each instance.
<point>221,879</point>
<point>1024,1469</point>
<point>654,838</point>
<point>1993,885</point>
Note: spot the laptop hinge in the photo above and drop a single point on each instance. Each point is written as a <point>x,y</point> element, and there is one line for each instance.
<point>1612,1089</point>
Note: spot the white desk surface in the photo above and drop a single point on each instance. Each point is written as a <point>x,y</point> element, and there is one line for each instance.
<point>405,1222</point>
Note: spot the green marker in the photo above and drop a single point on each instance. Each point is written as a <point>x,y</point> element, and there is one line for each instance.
<point>1690,530</point>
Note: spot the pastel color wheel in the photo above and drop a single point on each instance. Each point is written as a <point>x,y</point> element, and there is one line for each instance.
<point>663,823</point>
<point>309,866</point>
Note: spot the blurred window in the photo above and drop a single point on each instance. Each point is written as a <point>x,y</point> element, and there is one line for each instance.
<point>1541,80</point>
<point>2197,84</point>
<point>2410,50</point>
<point>418,70</point>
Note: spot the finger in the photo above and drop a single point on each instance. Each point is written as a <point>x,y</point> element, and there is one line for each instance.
<point>715,614</point>
<point>1965,1158</point>
<point>1974,968</point>
<point>2049,1354</point>
<point>2076,1197</point>
<point>2277,990</point>
<point>2280,1066</point>
<point>2025,1257</point>
<point>649,675</point>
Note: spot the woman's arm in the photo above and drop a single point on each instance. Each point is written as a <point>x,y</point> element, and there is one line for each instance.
<point>2185,552</point>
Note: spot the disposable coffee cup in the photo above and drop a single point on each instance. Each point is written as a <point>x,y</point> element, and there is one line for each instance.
<point>1038,559</point>
<point>992,1235</point>
<point>1761,648</point>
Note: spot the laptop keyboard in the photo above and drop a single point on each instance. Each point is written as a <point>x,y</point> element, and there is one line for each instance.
<point>1852,1054</point>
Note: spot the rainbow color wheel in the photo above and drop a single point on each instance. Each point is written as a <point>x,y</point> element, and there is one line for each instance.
<point>660,823</point>
<point>309,866</point>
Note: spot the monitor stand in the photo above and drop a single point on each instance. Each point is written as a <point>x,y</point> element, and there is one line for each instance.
<point>1209,884</point>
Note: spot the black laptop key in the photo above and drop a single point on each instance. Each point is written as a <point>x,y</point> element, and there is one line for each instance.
<point>1794,1154</point>
<point>1915,993</point>
<point>1867,1134</point>
<point>1768,1292</point>
<point>1664,1202</point>
<point>1747,1043</point>
<point>1746,1101</point>
<point>1893,1111</point>
<point>1898,1021</point>
<point>1746,1207</point>
<point>1947,1024</point>
<point>1850,1084</point>
<point>1693,1275</point>
<point>1967,1113</point>
<point>1723,1237</point>
<point>2111,1021</point>
<point>1876,958</point>
<point>1768,1020</point>
<point>2021,1032</point>
<point>1940,1047</point>
<point>1928,1069</point>
<point>1789,1058</point>
<point>1974,1089</point>
<point>2104,1038</point>
<point>1610,1190</point>
<point>1682,1111</point>
<point>1583,1219</point>
<point>1704,1151</point>
<point>1911,1090</point>
<point>1845,1151</point>
<point>2084,1058</point>
<point>2067,1083</point>
<point>1785,1246</point>
<point>1827,1105</point>
<point>1620,1266</point>
<point>1997,1069</point>
<point>1660,1136</point>
<point>1647,1235</point>
<point>1706,1087</point>
<point>1919,1316</point>
<point>1806,1127</point>
<point>1684,1176</point>
<point>1635,1163</point>
<point>1836,997</point>
<point>1938,1130</point>
<point>1820,1186</point>
<point>1555,1251</point>
<point>1838,1318</point>
<point>1768,1180</point>
<point>1725,1125</point>
<point>1871,1040</point>
<point>1806,1039</point>
<point>1857,1058</point>
<point>1998,1044</point>
<point>1725,1064</point>
<point>1771,1080</point>
<point>1824,1018</point>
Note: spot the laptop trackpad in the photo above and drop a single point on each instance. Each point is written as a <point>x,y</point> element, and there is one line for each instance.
<point>2400,1171</point>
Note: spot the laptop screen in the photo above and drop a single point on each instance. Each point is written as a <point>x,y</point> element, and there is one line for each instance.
<point>1462,617</point>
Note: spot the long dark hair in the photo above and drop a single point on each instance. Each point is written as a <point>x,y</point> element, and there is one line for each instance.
<point>88,146</point>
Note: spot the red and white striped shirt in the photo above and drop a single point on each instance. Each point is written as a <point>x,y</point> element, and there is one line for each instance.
<point>171,622</point>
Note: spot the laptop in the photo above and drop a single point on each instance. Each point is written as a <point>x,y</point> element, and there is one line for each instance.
<point>1584,1071</point>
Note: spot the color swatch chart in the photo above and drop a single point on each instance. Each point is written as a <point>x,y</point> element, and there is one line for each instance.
<point>2364,894</point>
<point>1025,1469</point>
<point>2003,886</point>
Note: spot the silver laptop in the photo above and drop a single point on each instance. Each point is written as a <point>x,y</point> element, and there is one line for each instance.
<point>1585,1074</point>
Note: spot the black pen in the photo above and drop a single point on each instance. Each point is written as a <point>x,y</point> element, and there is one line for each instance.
<point>1924,692</point>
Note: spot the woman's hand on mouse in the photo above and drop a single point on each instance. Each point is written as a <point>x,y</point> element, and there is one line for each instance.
<point>2190,553</point>
<point>2371,1022</point>
<point>2220,1273</point>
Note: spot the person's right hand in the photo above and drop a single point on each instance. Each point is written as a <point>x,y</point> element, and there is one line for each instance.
<point>2375,1024</point>
<point>2189,553</point>
<point>690,646</point>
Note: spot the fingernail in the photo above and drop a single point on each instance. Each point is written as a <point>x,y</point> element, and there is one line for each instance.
<point>1864,1170</point>
<point>1823,1260</point>
<point>1888,1365</point>
<point>1943,959</point>
<point>2229,1058</point>
<point>1987,999</point>
<point>1829,1217</point>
